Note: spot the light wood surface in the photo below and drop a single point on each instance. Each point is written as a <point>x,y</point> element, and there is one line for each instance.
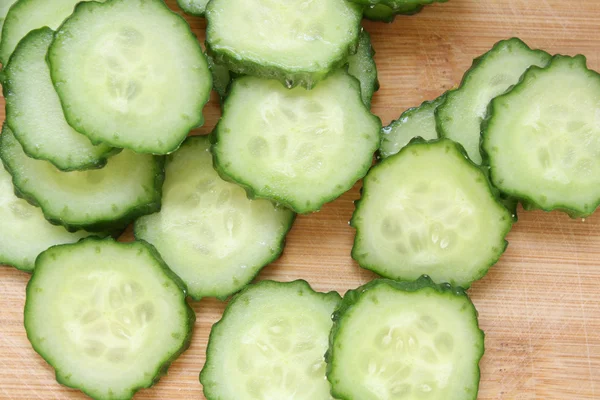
<point>539,307</point>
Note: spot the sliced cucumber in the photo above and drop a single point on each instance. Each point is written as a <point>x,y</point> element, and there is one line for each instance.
<point>27,15</point>
<point>34,113</point>
<point>297,42</point>
<point>414,122</point>
<point>193,7</point>
<point>108,317</point>
<point>362,66</point>
<point>383,13</point>
<point>409,341</point>
<point>429,210</point>
<point>460,117</point>
<point>543,138</point>
<point>221,77</point>
<point>302,148</point>
<point>130,73</point>
<point>208,231</point>
<point>4,7</point>
<point>96,200</point>
<point>270,344</point>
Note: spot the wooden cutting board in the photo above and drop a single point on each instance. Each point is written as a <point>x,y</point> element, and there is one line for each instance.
<point>539,307</point>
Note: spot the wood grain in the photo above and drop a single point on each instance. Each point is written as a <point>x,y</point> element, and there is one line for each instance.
<point>539,307</point>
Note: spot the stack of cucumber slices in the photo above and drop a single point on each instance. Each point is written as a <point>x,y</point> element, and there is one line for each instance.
<point>100,98</point>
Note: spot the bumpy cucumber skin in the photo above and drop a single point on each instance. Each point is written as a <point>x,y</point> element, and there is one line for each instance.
<point>383,13</point>
<point>110,225</point>
<point>493,194</point>
<point>303,286</point>
<point>221,77</point>
<point>400,6</point>
<point>73,120</point>
<point>142,246</point>
<point>352,297</point>
<point>527,202</point>
<point>290,79</point>
<point>407,114</point>
<point>256,194</point>
<point>275,255</point>
<point>467,77</point>
<point>190,11</point>
<point>370,85</point>
<point>39,154</point>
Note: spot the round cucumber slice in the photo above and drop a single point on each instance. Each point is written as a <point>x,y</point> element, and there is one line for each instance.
<point>34,113</point>
<point>414,122</point>
<point>297,42</point>
<point>542,138</point>
<point>405,341</point>
<point>270,344</point>
<point>131,74</point>
<point>381,12</point>
<point>429,210</point>
<point>95,200</point>
<point>208,231</point>
<point>108,317</point>
<point>27,15</point>
<point>302,148</point>
<point>362,66</point>
<point>193,7</point>
<point>4,7</point>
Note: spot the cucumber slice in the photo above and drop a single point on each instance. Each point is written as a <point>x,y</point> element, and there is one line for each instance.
<point>27,15</point>
<point>130,73</point>
<point>193,7</point>
<point>270,344</point>
<point>543,138</point>
<point>383,13</point>
<point>4,7</point>
<point>429,210</point>
<point>208,231</point>
<point>398,6</point>
<point>414,122</point>
<point>221,77</point>
<point>302,148</point>
<point>460,117</point>
<point>24,232</point>
<point>34,113</point>
<point>108,317</point>
<point>409,341</point>
<point>362,66</point>
<point>297,42</point>
<point>95,200</point>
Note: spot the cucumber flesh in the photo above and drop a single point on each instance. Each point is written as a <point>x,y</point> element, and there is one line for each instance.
<point>95,200</point>
<point>408,341</point>
<point>193,7</point>
<point>208,232</point>
<point>461,115</point>
<point>362,66</point>
<point>414,122</point>
<point>296,42</point>
<point>429,210</point>
<point>108,317</point>
<point>302,148</point>
<point>4,7</point>
<point>28,15</point>
<point>542,138</point>
<point>34,113</point>
<point>270,343</point>
<point>131,74</point>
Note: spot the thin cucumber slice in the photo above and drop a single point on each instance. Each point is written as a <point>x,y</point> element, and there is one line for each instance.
<point>95,200</point>
<point>108,317</point>
<point>362,66</point>
<point>383,13</point>
<point>270,344</point>
<point>27,15</point>
<point>193,7</point>
<point>130,73</point>
<point>34,113</point>
<point>4,7</point>
<point>414,122</point>
<point>302,148</point>
<point>460,117</point>
<point>542,138</point>
<point>24,232</point>
<point>221,77</point>
<point>296,42</point>
<point>428,210</point>
<point>398,6</point>
<point>208,231</point>
<point>409,341</point>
